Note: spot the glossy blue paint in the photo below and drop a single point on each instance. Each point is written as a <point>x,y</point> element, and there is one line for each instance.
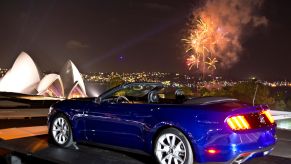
<point>135,126</point>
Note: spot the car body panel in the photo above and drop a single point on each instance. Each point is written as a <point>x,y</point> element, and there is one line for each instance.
<point>135,126</point>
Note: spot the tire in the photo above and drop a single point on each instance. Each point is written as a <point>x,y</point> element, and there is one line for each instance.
<point>172,146</point>
<point>61,131</point>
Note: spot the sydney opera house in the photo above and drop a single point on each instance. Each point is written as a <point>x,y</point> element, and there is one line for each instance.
<point>25,77</point>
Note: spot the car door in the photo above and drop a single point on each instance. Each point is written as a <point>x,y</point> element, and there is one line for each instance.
<point>120,125</point>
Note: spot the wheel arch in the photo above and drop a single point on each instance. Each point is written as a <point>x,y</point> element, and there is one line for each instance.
<point>166,126</point>
<point>52,117</point>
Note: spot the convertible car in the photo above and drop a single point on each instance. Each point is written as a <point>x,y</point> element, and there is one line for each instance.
<point>146,118</point>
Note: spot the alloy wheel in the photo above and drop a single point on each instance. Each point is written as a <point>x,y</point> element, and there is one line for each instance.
<point>170,149</point>
<point>60,130</point>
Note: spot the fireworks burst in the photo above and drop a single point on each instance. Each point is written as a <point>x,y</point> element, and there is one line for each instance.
<point>198,40</point>
<point>215,31</point>
<point>202,43</point>
<point>211,63</point>
<point>193,60</point>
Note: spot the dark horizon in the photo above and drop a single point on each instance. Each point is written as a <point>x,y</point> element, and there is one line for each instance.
<point>133,36</point>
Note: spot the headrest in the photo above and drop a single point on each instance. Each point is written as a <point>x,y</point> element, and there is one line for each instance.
<point>153,97</point>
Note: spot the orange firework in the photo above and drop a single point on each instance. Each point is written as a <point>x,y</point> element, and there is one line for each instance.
<point>202,42</point>
<point>211,63</point>
<point>215,31</point>
<point>192,60</point>
<point>198,39</point>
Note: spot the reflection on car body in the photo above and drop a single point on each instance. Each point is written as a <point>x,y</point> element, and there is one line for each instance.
<point>141,117</point>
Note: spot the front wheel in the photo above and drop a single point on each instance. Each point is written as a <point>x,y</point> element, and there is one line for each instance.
<point>61,131</point>
<point>172,147</point>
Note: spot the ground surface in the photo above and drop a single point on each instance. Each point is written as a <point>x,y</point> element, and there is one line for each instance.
<point>36,148</point>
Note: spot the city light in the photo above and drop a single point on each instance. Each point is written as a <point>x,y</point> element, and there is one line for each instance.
<point>168,79</point>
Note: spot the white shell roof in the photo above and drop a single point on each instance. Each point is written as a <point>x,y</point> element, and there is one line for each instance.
<point>23,77</point>
<point>48,80</point>
<point>70,75</point>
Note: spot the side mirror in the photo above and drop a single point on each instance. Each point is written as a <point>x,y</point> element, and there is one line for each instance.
<point>98,100</point>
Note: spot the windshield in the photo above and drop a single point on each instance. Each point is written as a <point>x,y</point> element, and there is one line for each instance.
<point>131,90</point>
<point>104,94</point>
<point>134,91</point>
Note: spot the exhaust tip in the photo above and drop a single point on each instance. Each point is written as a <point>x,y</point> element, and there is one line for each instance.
<point>242,157</point>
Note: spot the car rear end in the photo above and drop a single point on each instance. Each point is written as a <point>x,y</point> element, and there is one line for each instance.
<point>235,134</point>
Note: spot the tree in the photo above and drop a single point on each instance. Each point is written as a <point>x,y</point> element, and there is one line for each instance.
<point>223,92</point>
<point>204,91</point>
<point>280,95</point>
<point>244,91</point>
<point>115,81</point>
<point>280,105</point>
<point>264,95</point>
<point>288,105</point>
<point>187,91</point>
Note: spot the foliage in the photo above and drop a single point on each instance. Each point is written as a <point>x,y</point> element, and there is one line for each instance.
<point>280,95</point>
<point>279,105</point>
<point>187,91</point>
<point>223,92</point>
<point>115,81</point>
<point>288,105</point>
<point>246,91</point>
<point>243,91</point>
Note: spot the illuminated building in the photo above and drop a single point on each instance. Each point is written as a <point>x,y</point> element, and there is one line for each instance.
<point>73,82</point>
<point>24,77</point>
<point>51,85</point>
<point>76,91</point>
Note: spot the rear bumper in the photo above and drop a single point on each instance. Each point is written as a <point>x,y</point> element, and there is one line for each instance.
<point>243,157</point>
<point>252,154</point>
<point>237,147</point>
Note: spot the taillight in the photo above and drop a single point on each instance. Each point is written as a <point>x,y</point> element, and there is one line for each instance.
<point>238,123</point>
<point>212,151</point>
<point>268,115</point>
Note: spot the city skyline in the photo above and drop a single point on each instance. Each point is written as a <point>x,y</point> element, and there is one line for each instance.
<point>108,36</point>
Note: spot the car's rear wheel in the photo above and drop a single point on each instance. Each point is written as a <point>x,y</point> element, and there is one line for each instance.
<point>172,147</point>
<point>61,131</point>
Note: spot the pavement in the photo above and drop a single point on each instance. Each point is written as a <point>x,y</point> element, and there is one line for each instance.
<point>23,135</point>
<point>23,113</point>
<point>283,146</point>
<point>14,133</point>
<point>269,160</point>
<point>37,148</point>
<point>26,122</point>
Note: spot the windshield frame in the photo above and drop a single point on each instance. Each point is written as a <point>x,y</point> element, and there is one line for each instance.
<point>110,92</point>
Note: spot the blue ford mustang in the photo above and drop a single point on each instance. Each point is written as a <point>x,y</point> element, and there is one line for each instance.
<point>141,117</point>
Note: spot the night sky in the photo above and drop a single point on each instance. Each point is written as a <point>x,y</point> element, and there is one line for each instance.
<point>133,36</point>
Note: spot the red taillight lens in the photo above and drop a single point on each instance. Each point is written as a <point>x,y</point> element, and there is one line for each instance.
<point>268,115</point>
<point>238,123</point>
<point>212,151</point>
